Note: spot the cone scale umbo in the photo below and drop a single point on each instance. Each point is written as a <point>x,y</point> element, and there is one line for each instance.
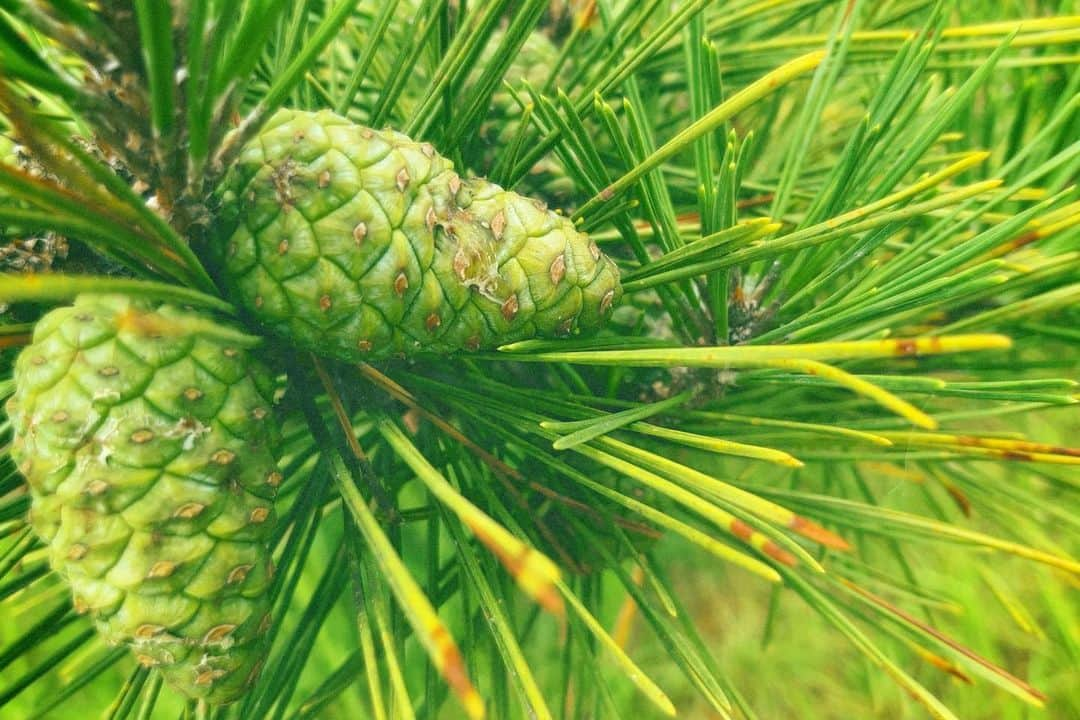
<point>364,244</point>
<point>147,436</point>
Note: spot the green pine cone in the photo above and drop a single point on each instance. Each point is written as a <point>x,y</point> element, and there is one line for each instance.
<point>147,438</point>
<point>364,244</point>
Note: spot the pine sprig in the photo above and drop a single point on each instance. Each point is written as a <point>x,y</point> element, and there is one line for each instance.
<point>848,252</point>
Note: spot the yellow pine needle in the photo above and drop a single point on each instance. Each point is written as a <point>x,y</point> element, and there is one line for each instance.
<point>1059,219</point>
<point>858,220</point>
<point>367,650</point>
<point>943,664</point>
<point>958,533</point>
<point>640,680</point>
<point>624,621</point>
<point>1053,37</point>
<point>580,431</point>
<point>503,471</point>
<point>967,161</point>
<point>663,595</point>
<point>1016,268</point>
<point>1011,603</point>
<point>959,497</point>
<point>734,356</point>
<point>1004,27</point>
<point>752,93</point>
<point>719,517</point>
<point>59,287</point>
<point>869,216</point>
<point>748,501</point>
<point>82,658</point>
<point>715,547</point>
<point>430,630</point>
<point>873,653</point>
<point>29,603</point>
<point>690,533</point>
<point>1040,263</point>
<point>534,573</point>
<point>1021,688</point>
<point>1005,449</point>
<point>1050,224</point>
<point>741,234</point>
<point>860,435</point>
<point>1032,194</point>
<point>726,552</point>
<point>491,606</point>
<point>719,445</point>
<point>1052,299</point>
<point>399,693</point>
<point>861,387</point>
<point>791,357</point>
<point>1062,24</point>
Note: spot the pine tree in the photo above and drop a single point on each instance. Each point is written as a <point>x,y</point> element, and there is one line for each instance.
<point>812,336</point>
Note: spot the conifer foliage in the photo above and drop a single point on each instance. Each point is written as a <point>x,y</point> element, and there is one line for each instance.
<point>418,358</point>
